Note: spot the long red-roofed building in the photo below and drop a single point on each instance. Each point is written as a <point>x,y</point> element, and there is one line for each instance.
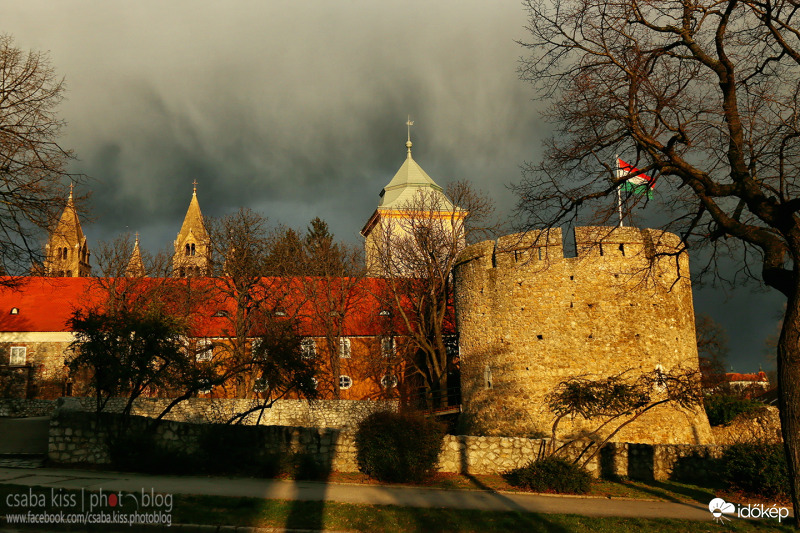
<point>35,336</point>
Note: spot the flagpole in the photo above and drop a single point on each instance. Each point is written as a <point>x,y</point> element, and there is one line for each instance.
<point>619,194</point>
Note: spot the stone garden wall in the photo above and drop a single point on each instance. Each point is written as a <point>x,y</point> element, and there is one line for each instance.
<point>75,438</point>
<point>319,413</point>
<point>763,425</point>
<point>13,407</point>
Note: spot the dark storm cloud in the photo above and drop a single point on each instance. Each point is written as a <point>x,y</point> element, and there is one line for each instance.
<point>293,109</point>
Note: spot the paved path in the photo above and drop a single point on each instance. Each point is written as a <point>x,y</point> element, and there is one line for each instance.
<point>352,493</point>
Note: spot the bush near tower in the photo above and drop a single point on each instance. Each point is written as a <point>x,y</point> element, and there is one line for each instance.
<point>398,447</point>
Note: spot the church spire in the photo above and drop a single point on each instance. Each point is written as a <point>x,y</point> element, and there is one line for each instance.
<point>66,252</point>
<point>193,246</point>
<point>135,268</point>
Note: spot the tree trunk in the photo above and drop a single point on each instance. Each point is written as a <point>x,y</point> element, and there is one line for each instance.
<point>789,389</point>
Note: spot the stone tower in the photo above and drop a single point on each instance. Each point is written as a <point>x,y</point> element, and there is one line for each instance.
<point>135,268</point>
<point>409,203</point>
<point>528,318</point>
<point>192,247</point>
<point>67,253</point>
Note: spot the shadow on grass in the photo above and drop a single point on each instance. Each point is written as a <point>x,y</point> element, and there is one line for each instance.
<point>533,521</point>
<point>666,490</point>
<point>310,514</point>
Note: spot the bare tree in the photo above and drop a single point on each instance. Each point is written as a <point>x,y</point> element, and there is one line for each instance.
<point>416,252</point>
<point>609,404</point>
<point>332,289</point>
<point>32,164</point>
<point>244,296</point>
<point>703,97</point>
<point>712,347</point>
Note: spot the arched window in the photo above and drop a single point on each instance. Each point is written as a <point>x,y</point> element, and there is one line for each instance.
<point>65,252</point>
<point>192,248</point>
<point>69,273</point>
<point>182,272</point>
<point>187,249</point>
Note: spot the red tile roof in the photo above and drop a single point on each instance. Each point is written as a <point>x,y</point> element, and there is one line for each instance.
<point>735,376</point>
<point>46,304</point>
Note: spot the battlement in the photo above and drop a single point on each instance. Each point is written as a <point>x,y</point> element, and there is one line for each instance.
<point>609,243</point>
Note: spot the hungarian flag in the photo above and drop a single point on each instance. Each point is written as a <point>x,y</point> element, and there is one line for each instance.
<point>639,183</point>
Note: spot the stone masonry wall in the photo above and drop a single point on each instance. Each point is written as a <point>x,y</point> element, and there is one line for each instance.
<point>320,413</point>
<point>43,375</point>
<point>528,318</point>
<point>75,439</point>
<point>13,407</point>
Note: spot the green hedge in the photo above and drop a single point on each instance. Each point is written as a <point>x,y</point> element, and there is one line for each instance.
<point>756,469</point>
<point>722,409</point>
<point>551,474</point>
<point>398,447</point>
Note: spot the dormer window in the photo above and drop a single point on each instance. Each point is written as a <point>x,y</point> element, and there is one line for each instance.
<point>15,310</point>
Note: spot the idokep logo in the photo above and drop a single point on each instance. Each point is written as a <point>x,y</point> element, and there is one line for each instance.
<point>719,508</point>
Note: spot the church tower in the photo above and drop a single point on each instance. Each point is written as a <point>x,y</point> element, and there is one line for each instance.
<point>193,246</point>
<point>411,204</point>
<point>66,253</point>
<point>135,268</point>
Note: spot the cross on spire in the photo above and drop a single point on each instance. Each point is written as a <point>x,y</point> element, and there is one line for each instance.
<point>194,185</point>
<point>71,185</point>
<point>409,123</point>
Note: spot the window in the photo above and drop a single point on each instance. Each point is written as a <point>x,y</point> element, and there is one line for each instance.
<point>193,249</point>
<point>385,312</point>
<point>389,381</point>
<point>15,310</point>
<point>187,249</point>
<point>345,382</point>
<point>344,348</point>
<point>487,377</point>
<point>308,348</point>
<point>387,346</point>
<point>18,356</point>
<point>205,350</point>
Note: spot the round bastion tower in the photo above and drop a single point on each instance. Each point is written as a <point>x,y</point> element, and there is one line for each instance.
<point>528,318</point>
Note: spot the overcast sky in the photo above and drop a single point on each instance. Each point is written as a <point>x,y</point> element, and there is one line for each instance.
<point>297,110</point>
